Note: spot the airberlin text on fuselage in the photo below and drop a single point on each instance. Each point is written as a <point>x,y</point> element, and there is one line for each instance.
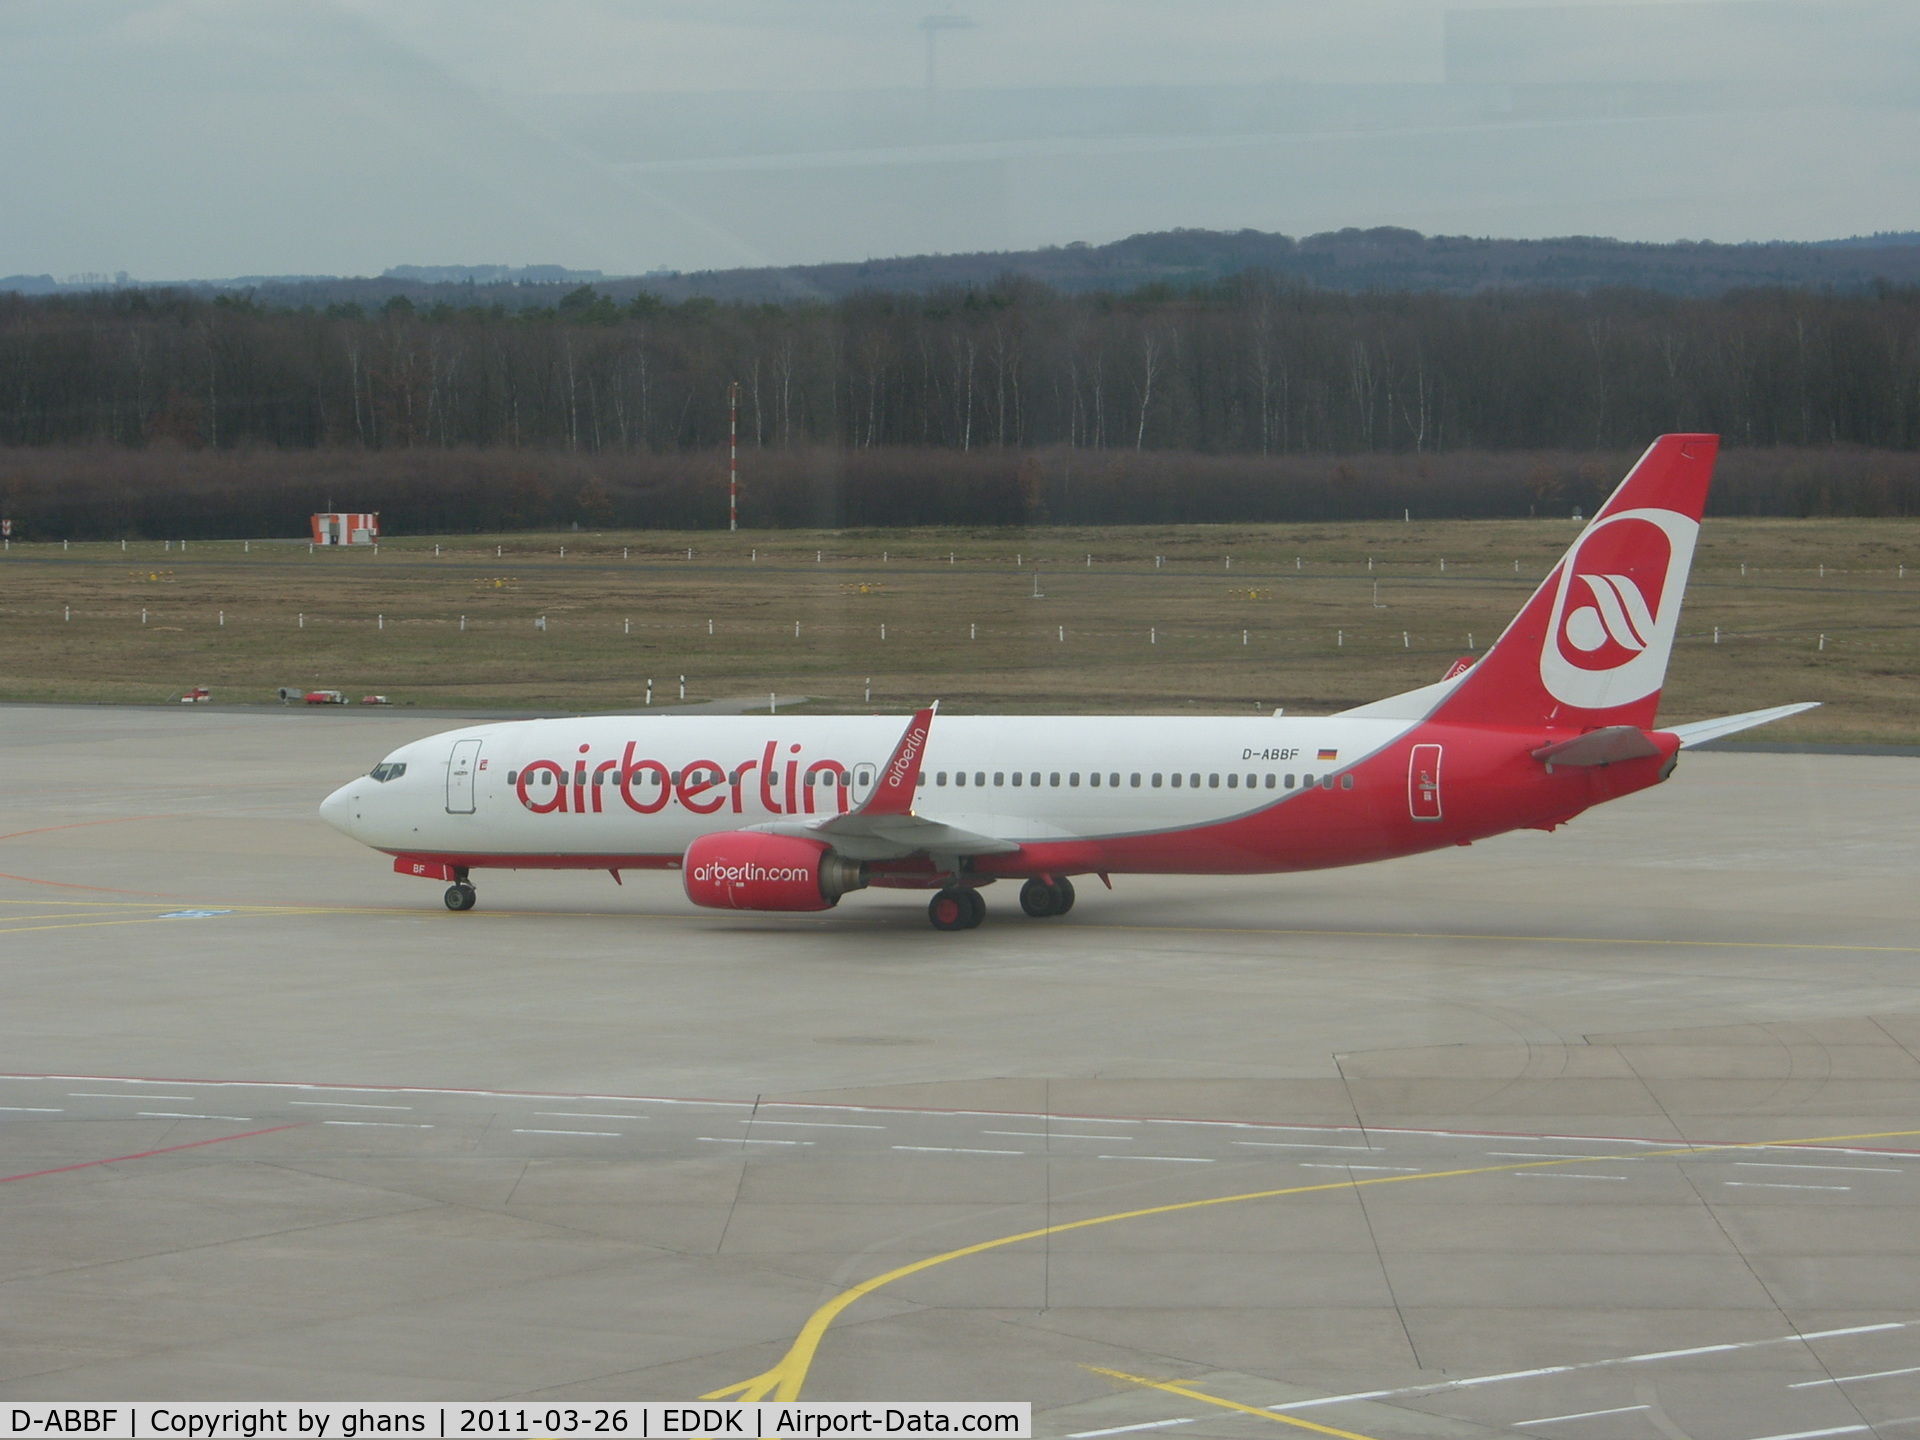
<point>776,783</point>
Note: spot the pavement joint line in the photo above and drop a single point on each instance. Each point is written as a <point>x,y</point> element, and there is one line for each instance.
<point>1625,941</point>
<point>787,1376</point>
<point>1174,1388</point>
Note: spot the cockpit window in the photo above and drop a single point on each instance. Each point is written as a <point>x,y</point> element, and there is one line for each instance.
<point>388,770</point>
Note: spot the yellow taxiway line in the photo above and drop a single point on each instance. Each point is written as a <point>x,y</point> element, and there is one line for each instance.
<point>784,1379</point>
<point>1175,1388</point>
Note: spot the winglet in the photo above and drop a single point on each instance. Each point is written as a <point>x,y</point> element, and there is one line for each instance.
<point>893,795</point>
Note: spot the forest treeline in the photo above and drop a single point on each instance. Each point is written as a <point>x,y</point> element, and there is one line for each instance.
<point>165,491</point>
<point>1252,366</point>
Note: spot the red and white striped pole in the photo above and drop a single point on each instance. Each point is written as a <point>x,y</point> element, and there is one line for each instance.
<point>733,456</point>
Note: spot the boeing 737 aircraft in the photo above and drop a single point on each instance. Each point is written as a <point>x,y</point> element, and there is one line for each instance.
<point>791,814</point>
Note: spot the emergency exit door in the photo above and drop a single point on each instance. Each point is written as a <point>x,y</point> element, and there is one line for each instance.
<point>1423,782</point>
<point>460,768</point>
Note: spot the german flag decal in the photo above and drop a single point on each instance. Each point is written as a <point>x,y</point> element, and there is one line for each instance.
<point>1329,754</point>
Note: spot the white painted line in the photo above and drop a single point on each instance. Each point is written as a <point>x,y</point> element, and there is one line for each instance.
<point>1541,1155</point>
<point>1849,1379</point>
<point>1397,1169</point>
<point>1129,1429</point>
<point>815,1124</point>
<point>581,1115</point>
<point>1648,1356</point>
<point>381,1124</point>
<point>37,1109</point>
<point>1778,1185</point>
<point>1176,1159</point>
<point>1788,1165</point>
<point>1304,1145</point>
<point>1057,1135</point>
<point>1820,1434</point>
<point>605,1134</point>
<point>1583,1415</point>
<point>123,1095</point>
<point>346,1105</point>
<point>1561,1175</point>
<point>743,1140</point>
<point>175,1115</point>
<point>955,1150</point>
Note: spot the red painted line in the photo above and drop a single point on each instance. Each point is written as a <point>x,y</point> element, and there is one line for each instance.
<point>146,1154</point>
<point>67,885</point>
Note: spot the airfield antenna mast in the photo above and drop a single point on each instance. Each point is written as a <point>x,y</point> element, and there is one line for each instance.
<point>733,456</point>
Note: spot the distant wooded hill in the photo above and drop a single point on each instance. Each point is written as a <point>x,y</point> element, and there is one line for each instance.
<point>1344,260</point>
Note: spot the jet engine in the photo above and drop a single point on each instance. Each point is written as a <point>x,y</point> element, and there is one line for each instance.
<point>747,870</point>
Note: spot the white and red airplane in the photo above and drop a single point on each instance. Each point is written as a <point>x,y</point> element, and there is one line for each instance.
<point>791,814</point>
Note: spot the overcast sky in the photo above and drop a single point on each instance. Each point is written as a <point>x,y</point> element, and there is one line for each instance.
<point>206,138</point>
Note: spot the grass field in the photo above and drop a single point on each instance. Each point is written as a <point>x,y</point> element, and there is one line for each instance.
<point>1308,617</point>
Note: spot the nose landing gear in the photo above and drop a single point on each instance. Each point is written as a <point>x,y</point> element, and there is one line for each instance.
<point>958,907</point>
<point>1042,898</point>
<point>461,894</point>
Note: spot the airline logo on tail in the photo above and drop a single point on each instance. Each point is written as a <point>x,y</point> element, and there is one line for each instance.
<point>1617,608</point>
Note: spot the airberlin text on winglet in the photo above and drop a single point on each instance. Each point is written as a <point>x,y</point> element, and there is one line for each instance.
<point>743,1420</point>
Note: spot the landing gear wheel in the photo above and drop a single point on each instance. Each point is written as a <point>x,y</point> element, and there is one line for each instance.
<point>461,896</point>
<point>958,907</point>
<point>1040,899</point>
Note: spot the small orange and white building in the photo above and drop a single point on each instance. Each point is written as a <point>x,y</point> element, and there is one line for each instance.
<point>336,527</point>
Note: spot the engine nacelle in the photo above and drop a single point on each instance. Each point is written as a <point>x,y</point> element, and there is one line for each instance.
<point>748,870</point>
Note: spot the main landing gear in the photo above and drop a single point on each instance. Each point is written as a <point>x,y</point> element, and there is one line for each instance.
<point>1041,898</point>
<point>958,907</point>
<point>461,895</point>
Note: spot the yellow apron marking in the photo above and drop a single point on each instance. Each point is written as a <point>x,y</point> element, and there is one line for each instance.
<point>783,1380</point>
<point>1176,1389</point>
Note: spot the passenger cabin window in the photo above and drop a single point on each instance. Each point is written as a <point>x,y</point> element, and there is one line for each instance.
<point>1017,777</point>
<point>999,777</point>
<point>1156,780</point>
<point>1136,779</point>
<point>959,777</point>
<point>1270,780</point>
<point>1346,782</point>
<point>1113,780</point>
<point>1054,778</point>
<point>388,770</point>
<point>941,778</point>
<point>1034,779</point>
<point>1289,782</point>
<point>1094,780</point>
<point>1177,779</point>
<point>979,777</point>
<point>1194,781</point>
<point>1233,782</point>
<point>513,777</point>
<point>1074,778</point>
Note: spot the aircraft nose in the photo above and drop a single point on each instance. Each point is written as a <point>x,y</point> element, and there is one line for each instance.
<point>338,809</point>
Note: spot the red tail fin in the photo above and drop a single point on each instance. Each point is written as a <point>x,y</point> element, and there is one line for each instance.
<point>1591,646</point>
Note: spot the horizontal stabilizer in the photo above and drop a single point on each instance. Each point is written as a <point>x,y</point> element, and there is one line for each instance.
<point>1701,731</point>
<point>1599,747</point>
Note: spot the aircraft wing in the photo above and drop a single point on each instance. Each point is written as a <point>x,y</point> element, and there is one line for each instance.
<point>892,837</point>
<point>885,827</point>
<point>1701,731</point>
